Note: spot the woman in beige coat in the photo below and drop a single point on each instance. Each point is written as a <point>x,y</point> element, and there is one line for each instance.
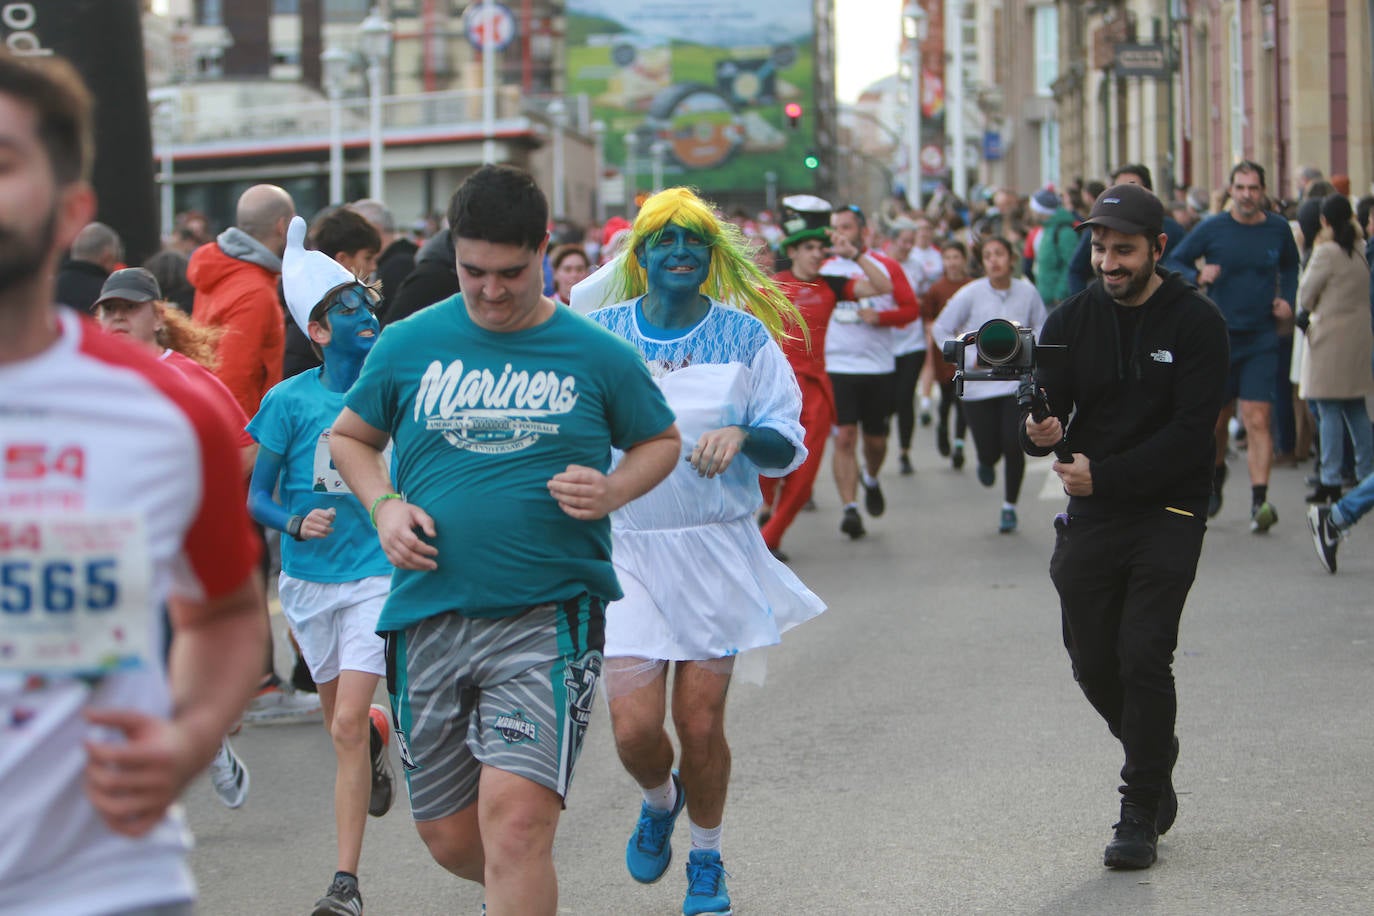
<point>1334,295</point>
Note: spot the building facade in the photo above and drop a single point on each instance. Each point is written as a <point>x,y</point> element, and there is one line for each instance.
<point>1190,87</point>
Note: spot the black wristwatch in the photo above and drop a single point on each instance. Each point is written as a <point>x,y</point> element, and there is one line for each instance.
<point>293,527</point>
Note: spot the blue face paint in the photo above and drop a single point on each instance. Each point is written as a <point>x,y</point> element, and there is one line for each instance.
<point>677,261</point>
<point>353,329</point>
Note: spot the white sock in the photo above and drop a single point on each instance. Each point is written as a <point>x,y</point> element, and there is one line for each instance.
<point>869,480</point>
<point>854,506</point>
<point>925,405</point>
<point>1006,506</point>
<point>705,838</point>
<point>662,798</point>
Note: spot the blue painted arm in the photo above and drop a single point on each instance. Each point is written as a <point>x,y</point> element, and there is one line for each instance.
<point>767,447</point>
<point>265,510</point>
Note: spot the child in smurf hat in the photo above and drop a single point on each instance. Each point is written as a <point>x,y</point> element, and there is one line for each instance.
<point>335,576</point>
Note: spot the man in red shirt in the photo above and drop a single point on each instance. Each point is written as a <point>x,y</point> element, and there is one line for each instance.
<point>806,219</point>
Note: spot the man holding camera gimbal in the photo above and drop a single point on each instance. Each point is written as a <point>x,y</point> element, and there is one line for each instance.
<point>1144,379</point>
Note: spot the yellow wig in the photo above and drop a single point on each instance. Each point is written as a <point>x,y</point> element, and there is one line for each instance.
<point>733,276</point>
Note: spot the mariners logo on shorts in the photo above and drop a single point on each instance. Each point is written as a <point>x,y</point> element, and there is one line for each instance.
<point>515,728</point>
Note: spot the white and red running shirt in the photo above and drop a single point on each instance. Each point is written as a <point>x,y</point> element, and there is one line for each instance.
<point>119,487</point>
<point>853,347</point>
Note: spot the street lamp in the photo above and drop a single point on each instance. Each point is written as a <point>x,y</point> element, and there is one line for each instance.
<point>375,41</point>
<point>658,150</point>
<point>334,64</point>
<point>914,17</point>
<point>599,155</point>
<point>166,115</point>
<point>631,163</point>
<point>558,116</point>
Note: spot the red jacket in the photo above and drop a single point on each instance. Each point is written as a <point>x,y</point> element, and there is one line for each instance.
<point>240,297</point>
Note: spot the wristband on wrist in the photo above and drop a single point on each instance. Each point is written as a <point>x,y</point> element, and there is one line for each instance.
<point>372,513</point>
<point>293,526</point>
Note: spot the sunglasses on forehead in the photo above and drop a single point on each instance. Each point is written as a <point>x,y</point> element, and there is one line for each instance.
<point>346,300</point>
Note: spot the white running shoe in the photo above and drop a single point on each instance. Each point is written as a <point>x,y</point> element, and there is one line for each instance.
<point>275,705</point>
<point>229,776</point>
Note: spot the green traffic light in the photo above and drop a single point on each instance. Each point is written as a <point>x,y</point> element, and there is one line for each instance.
<point>812,161</point>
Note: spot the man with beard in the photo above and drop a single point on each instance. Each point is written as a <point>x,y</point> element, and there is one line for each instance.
<point>120,495</point>
<point>1144,379</point>
<point>1250,270</point>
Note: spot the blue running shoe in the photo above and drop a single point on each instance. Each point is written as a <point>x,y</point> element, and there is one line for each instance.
<point>706,893</point>
<point>650,848</point>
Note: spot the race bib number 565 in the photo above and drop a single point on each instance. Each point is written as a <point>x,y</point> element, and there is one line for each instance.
<point>74,594</point>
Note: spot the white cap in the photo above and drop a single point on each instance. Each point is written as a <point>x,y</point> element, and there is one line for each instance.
<point>306,276</point>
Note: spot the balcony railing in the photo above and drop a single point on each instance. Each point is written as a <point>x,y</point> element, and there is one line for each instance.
<point>227,122</point>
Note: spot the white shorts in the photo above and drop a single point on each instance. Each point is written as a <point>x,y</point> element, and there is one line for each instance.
<point>335,624</point>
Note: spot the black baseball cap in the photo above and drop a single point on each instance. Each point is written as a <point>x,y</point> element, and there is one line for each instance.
<point>134,284</point>
<point>1127,208</point>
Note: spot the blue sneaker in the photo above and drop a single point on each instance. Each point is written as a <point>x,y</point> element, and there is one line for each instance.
<point>650,849</point>
<point>706,893</point>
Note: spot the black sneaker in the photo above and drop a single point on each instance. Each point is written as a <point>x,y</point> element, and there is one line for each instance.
<point>957,459</point>
<point>1133,845</point>
<point>1218,481</point>
<point>1168,799</point>
<point>379,728</point>
<point>1326,537</point>
<point>342,899</point>
<point>987,475</point>
<point>873,500</point>
<point>851,524</point>
<point>942,439</point>
<point>904,463</point>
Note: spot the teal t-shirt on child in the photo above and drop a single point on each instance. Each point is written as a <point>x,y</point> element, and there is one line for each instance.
<point>294,422</point>
<point>480,422</point>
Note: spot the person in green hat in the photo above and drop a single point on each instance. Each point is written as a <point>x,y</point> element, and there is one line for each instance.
<point>808,242</point>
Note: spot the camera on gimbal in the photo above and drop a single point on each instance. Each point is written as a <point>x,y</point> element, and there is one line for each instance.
<point>1006,352</point>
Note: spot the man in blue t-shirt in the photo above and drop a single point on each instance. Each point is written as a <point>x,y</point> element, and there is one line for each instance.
<point>503,410</point>
<point>1250,271</point>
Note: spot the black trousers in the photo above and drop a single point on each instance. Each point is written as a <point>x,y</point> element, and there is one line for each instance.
<point>1122,582</point>
<point>908,374</point>
<point>996,425</point>
<point>949,401</point>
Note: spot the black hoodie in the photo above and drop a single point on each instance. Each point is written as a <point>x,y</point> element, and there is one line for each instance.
<point>1144,408</point>
<point>434,279</point>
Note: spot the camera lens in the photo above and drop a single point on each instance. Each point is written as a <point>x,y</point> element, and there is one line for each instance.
<point>998,342</point>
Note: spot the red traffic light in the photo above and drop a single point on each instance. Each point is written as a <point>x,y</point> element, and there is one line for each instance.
<point>793,110</point>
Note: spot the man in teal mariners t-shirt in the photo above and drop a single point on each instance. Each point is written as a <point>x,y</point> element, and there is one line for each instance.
<point>503,409</point>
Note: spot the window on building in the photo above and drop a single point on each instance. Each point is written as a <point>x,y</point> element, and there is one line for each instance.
<point>1046,49</point>
<point>211,12</point>
<point>1237,59</point>
<point>286,7</point>
<point>347,10</point>
<point>1049,152</point>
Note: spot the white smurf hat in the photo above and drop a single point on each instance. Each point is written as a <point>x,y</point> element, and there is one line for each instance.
<point>306,276</point>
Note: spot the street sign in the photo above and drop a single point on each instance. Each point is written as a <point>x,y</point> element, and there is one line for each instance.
<point>501,25</point>
<point>992,145</point>
<point>1142,60</point>
<point>932,159</point>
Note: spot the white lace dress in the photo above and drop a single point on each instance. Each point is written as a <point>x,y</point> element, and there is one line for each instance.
<point>699,581</point>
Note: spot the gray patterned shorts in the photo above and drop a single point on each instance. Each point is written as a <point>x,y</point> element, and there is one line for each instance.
<point>514,693</point>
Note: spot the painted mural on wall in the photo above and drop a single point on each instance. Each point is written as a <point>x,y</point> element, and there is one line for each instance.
<point>708,81</point>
